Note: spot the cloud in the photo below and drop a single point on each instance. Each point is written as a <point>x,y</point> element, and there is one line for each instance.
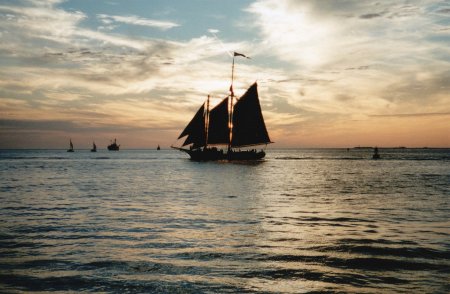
<point>25,26</point>
<point>29,22</point>
<point>136,20</point>
<point>116,40</point>
<point>81,59</point>
<point>408,115</point>
<point>323,41</point>
<point>370,15</point>
<point>317,34</point>
<point>444,10</point>
<point>282,105</point>
<point>213,31</point>
<point>41,125</point>
<point>291,32</point>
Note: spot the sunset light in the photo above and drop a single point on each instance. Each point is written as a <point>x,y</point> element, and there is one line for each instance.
<point>224,146</point>
<point>330,74</point>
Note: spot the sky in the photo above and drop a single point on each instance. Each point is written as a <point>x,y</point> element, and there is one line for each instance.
<point>329,73</point>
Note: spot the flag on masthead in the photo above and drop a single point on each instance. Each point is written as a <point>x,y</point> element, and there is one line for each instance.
<point>240,54</point>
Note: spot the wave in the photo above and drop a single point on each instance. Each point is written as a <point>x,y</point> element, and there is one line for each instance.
<point>412,252</point>
<point>114,284</point>
<point>376,241</point>
<point>343,278</point>
<point>330,219</point>
<point>362,263</point>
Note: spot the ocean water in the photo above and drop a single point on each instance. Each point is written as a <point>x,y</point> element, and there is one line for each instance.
<point>300,221</point>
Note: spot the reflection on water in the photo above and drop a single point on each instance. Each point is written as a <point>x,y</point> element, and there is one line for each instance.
<point>299,221</point>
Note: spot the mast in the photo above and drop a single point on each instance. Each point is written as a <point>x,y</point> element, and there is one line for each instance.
<point>207,123</point>
<point>230,123</point>
<point>230,119</point>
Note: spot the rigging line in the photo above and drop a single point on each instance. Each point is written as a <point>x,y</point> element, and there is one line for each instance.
<point>221,44</point>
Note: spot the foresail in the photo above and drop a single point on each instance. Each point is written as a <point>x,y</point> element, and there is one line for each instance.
<point>194,122</point>
<point>218,130</point>
<point>197,140</point>
<point>195,130</point>
<point>248,122</point>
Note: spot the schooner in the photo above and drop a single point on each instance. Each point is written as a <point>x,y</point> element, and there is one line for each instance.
<point>236,122</point>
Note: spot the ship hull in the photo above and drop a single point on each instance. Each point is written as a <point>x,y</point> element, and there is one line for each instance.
<point>216,155</point>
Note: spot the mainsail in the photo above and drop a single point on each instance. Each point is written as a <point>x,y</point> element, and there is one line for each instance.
<point>248,122</point>
<point>218,129</point>
<point>195,130</point>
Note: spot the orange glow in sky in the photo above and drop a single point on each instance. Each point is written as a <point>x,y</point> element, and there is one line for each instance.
<point>329,73</point>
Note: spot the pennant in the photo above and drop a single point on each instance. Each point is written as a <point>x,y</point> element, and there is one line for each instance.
<point>240,54</point>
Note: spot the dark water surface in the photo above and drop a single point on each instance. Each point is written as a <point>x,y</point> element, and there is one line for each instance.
<point>316,220</point>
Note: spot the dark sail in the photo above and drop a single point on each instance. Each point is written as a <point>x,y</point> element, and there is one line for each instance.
<point>218,131</point>
<point>248,123</point>
<point>195,130</point>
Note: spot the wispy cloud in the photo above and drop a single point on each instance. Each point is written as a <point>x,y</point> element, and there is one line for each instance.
<point>444,10</point>
<point>370,15</point>
<point>136,20</point>
<point>42,21</point>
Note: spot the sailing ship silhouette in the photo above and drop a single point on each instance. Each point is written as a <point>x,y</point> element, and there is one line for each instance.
<point>233,124</point>
<point>113,146</point>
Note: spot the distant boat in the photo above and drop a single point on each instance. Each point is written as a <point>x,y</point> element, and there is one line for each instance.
<point>71,147</point>
<point>158,148</point>
<point>113,146</point>
<point>94,147</point>
<point>375,155</point>
<point>232,125</point>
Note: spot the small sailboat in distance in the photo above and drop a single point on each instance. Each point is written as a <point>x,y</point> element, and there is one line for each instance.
<point>113,146</point>
<point>158,148</point>
<point>235,123</point>
<point>94,147</point>
<point>71,147</point>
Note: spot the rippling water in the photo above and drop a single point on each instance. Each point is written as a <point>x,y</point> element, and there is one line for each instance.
<point>319,220</point>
